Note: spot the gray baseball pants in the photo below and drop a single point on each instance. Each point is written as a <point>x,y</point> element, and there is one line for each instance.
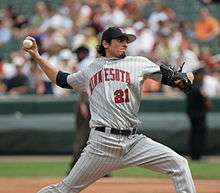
<point>106,152</point>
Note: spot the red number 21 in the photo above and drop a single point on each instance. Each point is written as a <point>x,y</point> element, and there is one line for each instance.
<point>121,96</point>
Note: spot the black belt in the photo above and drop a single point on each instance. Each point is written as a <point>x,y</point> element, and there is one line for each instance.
<point>126,132</point>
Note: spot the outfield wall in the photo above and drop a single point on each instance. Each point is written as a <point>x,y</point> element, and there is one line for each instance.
<point>45,125</point>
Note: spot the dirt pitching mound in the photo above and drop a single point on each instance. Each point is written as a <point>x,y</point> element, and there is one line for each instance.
<point>108,185</point>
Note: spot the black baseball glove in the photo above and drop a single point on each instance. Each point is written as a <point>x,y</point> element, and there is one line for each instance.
<point>175,78</point>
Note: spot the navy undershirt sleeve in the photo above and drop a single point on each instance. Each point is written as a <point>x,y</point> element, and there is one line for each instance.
<point>61,80</point>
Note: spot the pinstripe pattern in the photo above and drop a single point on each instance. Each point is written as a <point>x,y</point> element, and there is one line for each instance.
<point>106,152</point>
<point>104,111</point>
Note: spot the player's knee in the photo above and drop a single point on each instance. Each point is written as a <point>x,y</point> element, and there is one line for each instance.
<point>182,163</point>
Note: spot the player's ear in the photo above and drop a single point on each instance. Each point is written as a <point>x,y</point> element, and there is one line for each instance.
<point>105,44</point>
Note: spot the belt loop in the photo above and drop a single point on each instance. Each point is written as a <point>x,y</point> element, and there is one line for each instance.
<point>108,130</point>
<point>133,131</point>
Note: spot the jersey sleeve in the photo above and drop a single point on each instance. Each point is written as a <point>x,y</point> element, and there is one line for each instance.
<point>78,81</point>
<point>150,70</point>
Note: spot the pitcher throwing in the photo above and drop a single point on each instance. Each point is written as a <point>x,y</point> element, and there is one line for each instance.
<point>113,83</point>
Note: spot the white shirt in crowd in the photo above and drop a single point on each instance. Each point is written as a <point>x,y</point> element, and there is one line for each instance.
<point>211,86</point>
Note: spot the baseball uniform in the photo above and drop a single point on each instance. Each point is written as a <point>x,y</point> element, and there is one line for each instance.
<point>114,89</point>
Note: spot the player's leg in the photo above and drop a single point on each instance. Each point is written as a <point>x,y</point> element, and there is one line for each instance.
<point>149,154</point>
<point>97,160</point>
<point>86,171</point>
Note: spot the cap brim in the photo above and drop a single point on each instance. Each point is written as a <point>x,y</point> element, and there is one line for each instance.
<point>130,37</point>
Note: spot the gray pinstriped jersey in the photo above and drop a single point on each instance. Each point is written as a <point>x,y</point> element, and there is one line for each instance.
<point>113,86</point>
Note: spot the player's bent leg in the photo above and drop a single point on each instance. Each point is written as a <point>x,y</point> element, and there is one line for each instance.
<point>155,156</point>
<point>97,160</point>
<point>181,176</point>
<point>87,170</point>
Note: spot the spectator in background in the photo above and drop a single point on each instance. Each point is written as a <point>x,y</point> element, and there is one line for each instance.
<point>64,8</point>
<point>2,77</point>
<point>60,23</point>
<point>9,15</point>
<point>52,49</point>
<point>132,12</point>
<point>197,105</point>
<point>90,40</point>
<point>19,83</point>
<point>211,86</point>
<point>187,28</point>
<point>150,86</point>
<point>20,26</point>
<point>189,57</point>
<point>160,33</point>
<point>95,18</point>
<point>146,9</point>
<point>66,63</point>
<point>163,49</point>
<point>206,57</point>
<point>41,13</point>
<point>144,34</point>
<point>113,16</point>
<point>216,75</point>
<point>206,26</point>
<point>157,16</point>
<point>5,33</point>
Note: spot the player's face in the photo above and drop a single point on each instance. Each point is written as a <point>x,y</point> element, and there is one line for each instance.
<point>116,48</point>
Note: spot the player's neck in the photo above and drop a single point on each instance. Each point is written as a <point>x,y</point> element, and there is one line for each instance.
<point>109,56</point>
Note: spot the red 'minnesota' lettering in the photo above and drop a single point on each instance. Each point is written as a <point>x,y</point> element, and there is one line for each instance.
<point>112,73</point>
<point>117,78</point>
<point>109,74</point>
<point>100,76</point>
<point>106,74</point>
<point>127,78</point>
<point>122,75</point>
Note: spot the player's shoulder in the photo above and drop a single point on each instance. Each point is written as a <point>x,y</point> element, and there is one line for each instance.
<point>141,60</point>
<point>93,62</point>
<point>99,59</point>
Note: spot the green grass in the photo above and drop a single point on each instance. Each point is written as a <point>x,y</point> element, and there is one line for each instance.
<point>28,168</point>
<point>200,170</point>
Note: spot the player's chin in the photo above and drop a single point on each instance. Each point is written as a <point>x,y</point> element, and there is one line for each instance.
<point>122,55</point>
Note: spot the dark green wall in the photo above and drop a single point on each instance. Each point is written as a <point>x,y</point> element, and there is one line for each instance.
<point>50,104</point>
<point>46,125</point>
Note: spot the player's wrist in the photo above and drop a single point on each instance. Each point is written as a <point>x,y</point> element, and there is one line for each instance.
<point>37,57</point>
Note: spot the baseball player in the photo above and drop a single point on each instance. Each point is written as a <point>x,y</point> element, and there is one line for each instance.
<point>113,84</point>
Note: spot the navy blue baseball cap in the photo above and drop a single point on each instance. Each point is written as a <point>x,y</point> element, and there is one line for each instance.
<point>114,33</point>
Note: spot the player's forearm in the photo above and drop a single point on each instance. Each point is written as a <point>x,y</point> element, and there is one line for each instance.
<point>157,76</point>
<point>48,69</point>
<point>30,46</point>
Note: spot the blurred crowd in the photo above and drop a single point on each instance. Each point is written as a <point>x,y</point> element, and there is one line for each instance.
<point>73,29</point>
